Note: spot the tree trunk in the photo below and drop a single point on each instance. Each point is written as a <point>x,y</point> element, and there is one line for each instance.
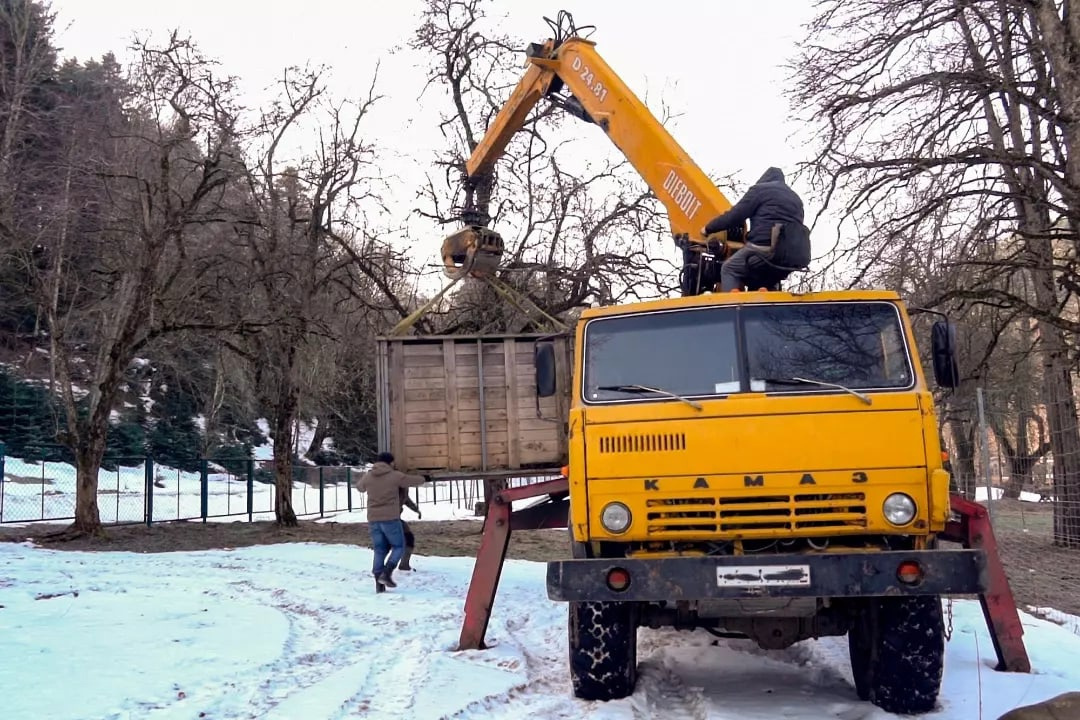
<point>1064,437</point>
<point>88,457</point>
<point>322,431</point>
<point>1019,474</point>
<point>284,415</point>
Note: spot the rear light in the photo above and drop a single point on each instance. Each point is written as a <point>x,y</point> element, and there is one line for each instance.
<point>909,572</point>
<point>618,579</point>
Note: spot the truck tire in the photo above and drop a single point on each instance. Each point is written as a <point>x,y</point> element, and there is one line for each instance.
<point>859,639</point>
<point>897,649</point>
<point>603,649</point>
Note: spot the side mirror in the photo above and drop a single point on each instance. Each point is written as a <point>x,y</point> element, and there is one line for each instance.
<point>544,360</point>
<point>943,350</point>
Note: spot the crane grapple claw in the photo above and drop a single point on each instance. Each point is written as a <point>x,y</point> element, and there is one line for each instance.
<point>474,251</point>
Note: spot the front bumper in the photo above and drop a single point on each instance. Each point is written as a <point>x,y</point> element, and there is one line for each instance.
<point>945,572</point>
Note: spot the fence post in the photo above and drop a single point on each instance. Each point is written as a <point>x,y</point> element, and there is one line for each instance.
<point>984,452</point>
<point>251,488</point>
<point>348,481</point>
<point>322,492</point>
<point>204,488</point>
<point>149,491</point>
<point>3,452</point>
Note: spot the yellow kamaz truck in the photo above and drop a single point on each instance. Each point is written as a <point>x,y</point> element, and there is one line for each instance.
<point>759,464</point>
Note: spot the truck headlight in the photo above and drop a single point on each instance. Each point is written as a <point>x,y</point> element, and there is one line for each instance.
<point>615,517</point>
<point>899,509</point>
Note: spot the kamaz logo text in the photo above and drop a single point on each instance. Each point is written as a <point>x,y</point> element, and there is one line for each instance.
<point>682,195</point>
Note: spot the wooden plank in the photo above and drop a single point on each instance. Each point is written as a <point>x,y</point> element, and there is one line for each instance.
<point>418,429</point>
<point>426,383</point>
<point>416,361</point>
<point>511,385</point>
<point>473,393</point>
<point>425,372</point>
<point>415,349</point>
<point>426,395</point>
<point>414,414</point>
<point>452,419</point>
<point>474,437</point>
<point>474,459</point>
<point>426,445</point>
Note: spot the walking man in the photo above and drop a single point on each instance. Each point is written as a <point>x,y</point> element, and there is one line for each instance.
<point>383,485</point>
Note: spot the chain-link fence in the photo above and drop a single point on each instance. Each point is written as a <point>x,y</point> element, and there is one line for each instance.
<point>137,490</point>
<point>1021,458</point>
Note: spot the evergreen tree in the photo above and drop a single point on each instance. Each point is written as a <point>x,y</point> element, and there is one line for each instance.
<point>174,439</point>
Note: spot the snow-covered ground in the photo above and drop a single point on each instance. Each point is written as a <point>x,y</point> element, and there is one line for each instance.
<point>296,632</point>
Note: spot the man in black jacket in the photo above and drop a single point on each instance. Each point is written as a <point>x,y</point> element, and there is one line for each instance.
<point>767,203</point>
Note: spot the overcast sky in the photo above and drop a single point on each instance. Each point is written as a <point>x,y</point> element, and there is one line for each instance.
<point>717,63</point>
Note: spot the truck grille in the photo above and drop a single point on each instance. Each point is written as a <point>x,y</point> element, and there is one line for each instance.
<point>753,515</point>
<point>646,442</point>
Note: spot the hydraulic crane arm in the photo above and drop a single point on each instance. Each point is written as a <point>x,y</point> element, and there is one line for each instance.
<point>598,95</point>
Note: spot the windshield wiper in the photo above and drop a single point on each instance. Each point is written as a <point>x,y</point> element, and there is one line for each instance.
<point>806,381</point>
<point>646,388</point>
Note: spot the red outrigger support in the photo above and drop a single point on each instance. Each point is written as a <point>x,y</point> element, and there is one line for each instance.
<point>972,529</point>
<point>500,520</point>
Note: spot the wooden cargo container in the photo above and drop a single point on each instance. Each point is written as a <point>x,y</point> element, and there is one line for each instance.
<point>435,414</point>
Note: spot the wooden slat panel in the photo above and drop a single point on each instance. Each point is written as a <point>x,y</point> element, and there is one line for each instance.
<point>453,447</point>
<point>434,403</point>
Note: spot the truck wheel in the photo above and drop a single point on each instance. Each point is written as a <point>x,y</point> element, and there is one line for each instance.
<point>603,649</point>
<point>859,638</point>
<point>897,648</point>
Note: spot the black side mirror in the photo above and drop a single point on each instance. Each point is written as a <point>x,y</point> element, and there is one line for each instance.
<point>943,350</point>
<point>544,360</point>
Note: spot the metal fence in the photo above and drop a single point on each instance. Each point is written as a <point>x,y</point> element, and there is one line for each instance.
<point>1001,455</point>
<point>138,490</point>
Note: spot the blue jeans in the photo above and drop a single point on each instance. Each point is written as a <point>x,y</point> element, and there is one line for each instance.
<point>387,536</point>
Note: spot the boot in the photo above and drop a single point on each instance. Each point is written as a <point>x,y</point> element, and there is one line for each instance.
<point>405,559</point>
<point>379,586</point>
<point>386,577</point>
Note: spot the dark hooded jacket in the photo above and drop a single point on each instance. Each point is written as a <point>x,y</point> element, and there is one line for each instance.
<point>767,202</point>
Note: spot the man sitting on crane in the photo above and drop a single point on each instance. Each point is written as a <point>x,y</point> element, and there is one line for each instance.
<point>777,243</point>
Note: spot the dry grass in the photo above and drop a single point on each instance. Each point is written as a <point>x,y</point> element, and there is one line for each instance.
<point>459,538</point>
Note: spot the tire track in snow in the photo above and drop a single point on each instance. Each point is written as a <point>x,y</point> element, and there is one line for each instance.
<point>660,693</point>
<point>546,690</point>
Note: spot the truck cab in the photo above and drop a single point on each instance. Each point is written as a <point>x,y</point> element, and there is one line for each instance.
<point>762,465</point>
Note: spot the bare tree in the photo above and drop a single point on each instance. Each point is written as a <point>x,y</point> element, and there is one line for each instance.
<point>574,236</point>
<point>301,211</point>
<point>956,113</point>
<point>125,254</point>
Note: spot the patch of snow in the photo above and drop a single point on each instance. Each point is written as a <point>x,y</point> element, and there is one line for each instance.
<point>998,493</point>
<point>296,631</point>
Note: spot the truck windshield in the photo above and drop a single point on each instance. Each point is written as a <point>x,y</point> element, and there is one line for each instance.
<point>856,345</point>
<point>789,348</point>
